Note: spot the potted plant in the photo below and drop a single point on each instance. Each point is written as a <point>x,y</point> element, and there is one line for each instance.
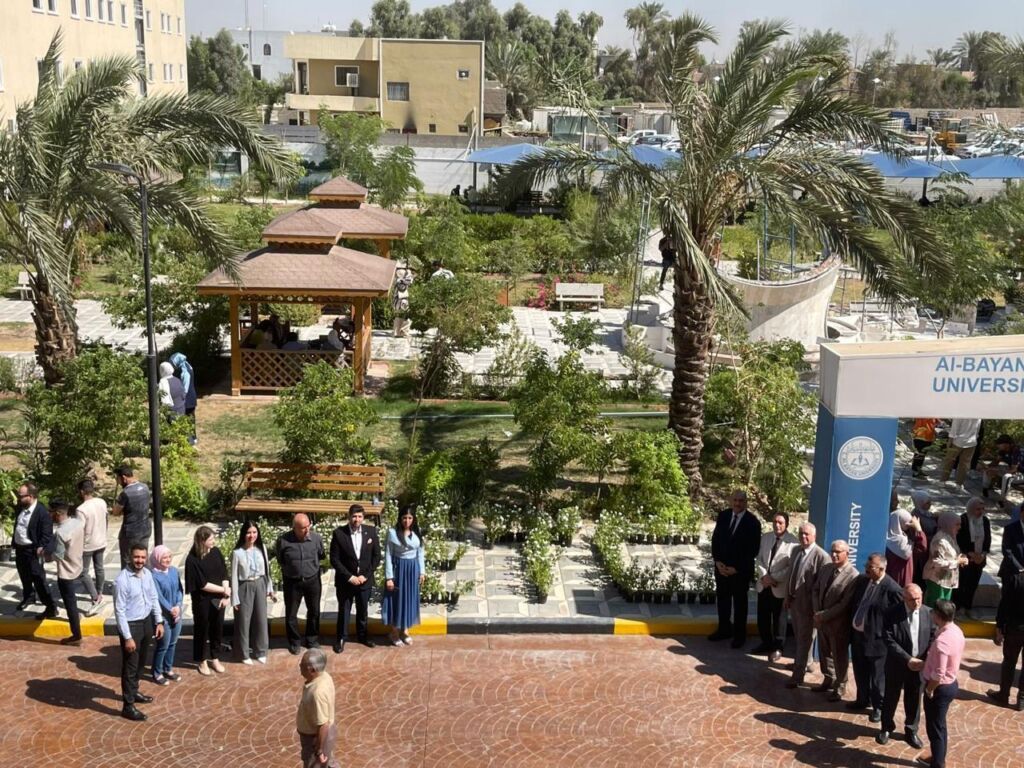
<point>673,585</point>
<point>539,560</point>
<point>565,524</point>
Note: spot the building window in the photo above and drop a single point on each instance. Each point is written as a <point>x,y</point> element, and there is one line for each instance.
<point>74,9</point>
<point>432,127</point>
<point>266,49</point>
<point>463,129</point>
<point>463,74</point>
<point>149,21</point>
<point>179,25</point>
<point>37,5</point>
<point>151,71</point>
<point>346,77</point>
<point>181,72</point>
<point>99,10</point>
<point>88,9</point>
<point>257,72</point>
<point>124,14</point>
<point>12,125</point>
<point>110,11</point>
<point>398,91</point>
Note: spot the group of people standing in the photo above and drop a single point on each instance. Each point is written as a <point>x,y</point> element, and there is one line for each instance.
<point>901,636</point>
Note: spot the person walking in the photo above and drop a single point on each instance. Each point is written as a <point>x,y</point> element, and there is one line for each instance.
<point>92,511</point>
<point>808,560</point>
<point>942,571</point>
<point>250,588</point>
<point>133,506</point>
<point>833,594</point>
<point>873,594</point>
<point>666,245</point>
<point>66,549</point>
<point>771,569</point>
<point>963,439</point>
<point>734,546</point>
<point>172,391</point>
<point>314,719</point>
<point>137,612</point>
<point>167,581</point>
<point>1010,635</point>
<point>188,383</point>
<point>939,677</point>
<point>908,633</point>
<point>206,581</point>
<point>299,552</point>
<point>33,530</point>
<point>975,542</point>
<point>355,555</point>
<point>404,571</point>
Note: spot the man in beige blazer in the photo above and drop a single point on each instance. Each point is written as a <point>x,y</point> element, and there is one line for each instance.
<point>806,561</point>
<point>833,593</point>
<point>771,570</point>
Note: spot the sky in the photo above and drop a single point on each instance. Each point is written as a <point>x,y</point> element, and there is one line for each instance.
<point>918,26</point>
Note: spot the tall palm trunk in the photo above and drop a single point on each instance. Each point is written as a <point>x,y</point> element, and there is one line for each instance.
<point>691,334</point>
<point>56,331</point>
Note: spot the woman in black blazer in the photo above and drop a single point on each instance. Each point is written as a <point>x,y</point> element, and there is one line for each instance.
<point>975,541</point>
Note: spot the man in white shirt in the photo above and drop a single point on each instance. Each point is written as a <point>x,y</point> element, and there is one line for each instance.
<point>65,549</point>
<point>771,569</point>
<point>137,611</point>
<point>963,439</point>
<point>92,511</point>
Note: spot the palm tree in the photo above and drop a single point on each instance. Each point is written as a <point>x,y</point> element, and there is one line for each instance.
<point>970,47</point>
<point>511,64</point>
<point>823,191</point>
<point>942,58</point>
<point>639,20</point>
<point>50,192</point>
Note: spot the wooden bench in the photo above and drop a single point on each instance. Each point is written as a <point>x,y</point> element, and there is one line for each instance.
<point>24,287</point>
<point>579,293</point>
<point>356,484</point>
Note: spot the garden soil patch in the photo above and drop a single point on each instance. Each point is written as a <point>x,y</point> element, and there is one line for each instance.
<point>17,337</point>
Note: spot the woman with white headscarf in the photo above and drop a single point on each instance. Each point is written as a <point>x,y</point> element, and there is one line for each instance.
<point>975,541</point>
<point>904,543</point>
<point>942,571</point>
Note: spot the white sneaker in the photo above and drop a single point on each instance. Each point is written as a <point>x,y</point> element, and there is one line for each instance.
<point>247,661</point>
<point>262,659</point>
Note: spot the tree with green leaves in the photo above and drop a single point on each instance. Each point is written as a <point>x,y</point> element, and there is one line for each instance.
<point>842,200</point>
<point>217,66</point>
<point>51,191</point>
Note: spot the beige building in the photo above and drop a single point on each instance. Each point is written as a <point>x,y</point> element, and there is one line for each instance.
<point>152,30</point>
<point>416,86</point>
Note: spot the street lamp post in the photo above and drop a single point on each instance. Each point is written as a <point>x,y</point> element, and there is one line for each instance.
<point>874,91</point>
<point>154,401</point>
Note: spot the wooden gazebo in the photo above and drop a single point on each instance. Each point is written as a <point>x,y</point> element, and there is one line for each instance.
<point>302,263</point>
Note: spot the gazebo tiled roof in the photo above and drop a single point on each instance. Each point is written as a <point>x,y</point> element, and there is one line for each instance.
<point>339,188</point>
<point>317,225</point>
<point>272,271</point>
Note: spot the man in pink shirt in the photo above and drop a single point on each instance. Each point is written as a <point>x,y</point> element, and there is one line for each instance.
<point>939,676</point>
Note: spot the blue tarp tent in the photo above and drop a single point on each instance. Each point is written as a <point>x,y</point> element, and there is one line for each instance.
<point>911,168</point>
<point>507,155</point>
<point>656,157</point>
<point>993,167</point>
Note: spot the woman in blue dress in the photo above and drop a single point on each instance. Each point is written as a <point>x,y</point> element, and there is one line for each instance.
<point>403,574</point>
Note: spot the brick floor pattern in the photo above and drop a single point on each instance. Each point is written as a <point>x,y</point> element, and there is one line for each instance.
<point>458,701</point>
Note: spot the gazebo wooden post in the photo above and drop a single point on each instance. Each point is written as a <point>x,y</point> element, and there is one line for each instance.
<point>236,347</point>
<point>254,315</point>
<point>362,317</point>
<point>384,248</point>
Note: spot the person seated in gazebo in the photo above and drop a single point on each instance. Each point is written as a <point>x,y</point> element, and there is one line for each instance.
<point>259,337</point>
<point>293,344</point>
<point>278,330</point>
<point>341,334</point>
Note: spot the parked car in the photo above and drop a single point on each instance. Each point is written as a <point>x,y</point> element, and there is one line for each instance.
<point>657,139</point>
<point>635,136</point>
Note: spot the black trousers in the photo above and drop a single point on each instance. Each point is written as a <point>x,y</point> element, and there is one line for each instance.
<point>901,680</point>
<point>347,595</point>
<point>132,662</point>
<point>970,577</point>
<point>936,708</point>
<point>665,269</point>
<point>920,446</point>
<point>295,591</point>
<point>32,575</point>
<point>731,596</point>
<point>1013,647</point>
<point>770,622</point>
<point>869,672</point>
<point>208,631</point>
<point>66,587</point>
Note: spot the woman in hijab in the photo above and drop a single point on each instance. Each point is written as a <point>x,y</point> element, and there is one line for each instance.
<point>975,541</point>
<point>942,571</point>
<point>904,543</point>
<point>929,527</point>
<point>168,590</point>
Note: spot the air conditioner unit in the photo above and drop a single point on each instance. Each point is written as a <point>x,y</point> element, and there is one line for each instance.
<point>352,80</point>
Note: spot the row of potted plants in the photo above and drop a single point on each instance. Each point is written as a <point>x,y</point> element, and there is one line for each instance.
<point>539,558</point>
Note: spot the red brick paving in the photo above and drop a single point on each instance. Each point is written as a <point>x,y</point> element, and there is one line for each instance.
<point>591,701</point>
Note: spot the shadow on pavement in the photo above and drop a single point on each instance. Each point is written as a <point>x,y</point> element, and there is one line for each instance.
<point>72,694</point>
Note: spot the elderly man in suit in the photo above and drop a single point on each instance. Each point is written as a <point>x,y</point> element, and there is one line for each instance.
<point>874,593</point>
<point>33,532</point>
<point>806,562</point>
<point>772,572</point>
<point>907,632</point>
<point>355,555</point>
<point>1012,550</point>
<point>831,599</point>
<point>734,546</point>
<point>1010,635</point>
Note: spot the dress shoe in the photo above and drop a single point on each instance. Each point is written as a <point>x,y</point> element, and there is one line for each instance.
<point>720,634</point>
<point>129,712</point>
<point>824,685</point>
<point>141,698</point>
<point>761,648</point>
<point>294,650</point>
<point>49,613</point>
<point>25,603</point>
<point>924,760</point>
<point>883,737</point>
<point>216,665</point>
<point>73,640</point>
<point>774,656</point>
<point>875,716</point>
<point>914,740</point>
<point>791,684</point>
<point>999,697</point>
<point>368,643</point>
<point>1020,703</point>
<point>856,705</point>
<point>339,647</point>
<point>311,644</point>
<point>835,696</point>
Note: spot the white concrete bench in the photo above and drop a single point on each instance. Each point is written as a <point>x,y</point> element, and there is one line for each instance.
<point>579,293</point>
<point>24,287</point>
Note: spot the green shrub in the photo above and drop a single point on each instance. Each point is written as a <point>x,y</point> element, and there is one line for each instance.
<point>654,488</point>
<point>511,357</point>
<point>179,472</point>
<point>299,315</point>
<point>642,374</point>
<point>8,378</point>
<point>539,558</point>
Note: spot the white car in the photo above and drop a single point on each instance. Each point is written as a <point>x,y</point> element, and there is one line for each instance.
<point>640,134</point>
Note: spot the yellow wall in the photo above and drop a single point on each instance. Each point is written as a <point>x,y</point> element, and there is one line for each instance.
<point>321,78</point>
<point>436,95</point>
<point>25,35</point>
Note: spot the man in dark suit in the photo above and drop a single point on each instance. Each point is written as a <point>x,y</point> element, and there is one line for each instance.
<point>734,546</point>
<point>908,633</point>
<point>33,530</point>
<point>874,592</point>
<point>1010,634</point>
<point>1013,550</point>
<point>355,555</point>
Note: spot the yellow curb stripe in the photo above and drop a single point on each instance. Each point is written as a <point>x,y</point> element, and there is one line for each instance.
<point>430,625</point>
<point>978,629</point>
<point>48,628</point>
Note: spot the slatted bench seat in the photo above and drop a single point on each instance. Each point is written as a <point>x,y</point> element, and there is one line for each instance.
<point>266,481</point>
<point>579,293</point>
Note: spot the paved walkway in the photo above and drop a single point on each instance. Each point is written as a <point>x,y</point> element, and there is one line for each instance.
<point>454,702</point>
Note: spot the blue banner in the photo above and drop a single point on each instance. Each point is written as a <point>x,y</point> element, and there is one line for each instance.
<point>850,492</point>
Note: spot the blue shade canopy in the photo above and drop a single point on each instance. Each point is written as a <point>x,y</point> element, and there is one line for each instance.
<point>648,154</point>
<point>993,167</point>
<point>507,155</point>
<point>911,168</point>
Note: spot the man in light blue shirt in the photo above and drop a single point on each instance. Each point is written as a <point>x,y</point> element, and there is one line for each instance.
<point>137,610</point>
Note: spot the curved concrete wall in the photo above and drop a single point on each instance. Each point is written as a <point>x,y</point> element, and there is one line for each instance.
<point>793,309</point>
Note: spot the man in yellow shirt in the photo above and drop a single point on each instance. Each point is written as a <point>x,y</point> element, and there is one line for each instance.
<point>315,718</point>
